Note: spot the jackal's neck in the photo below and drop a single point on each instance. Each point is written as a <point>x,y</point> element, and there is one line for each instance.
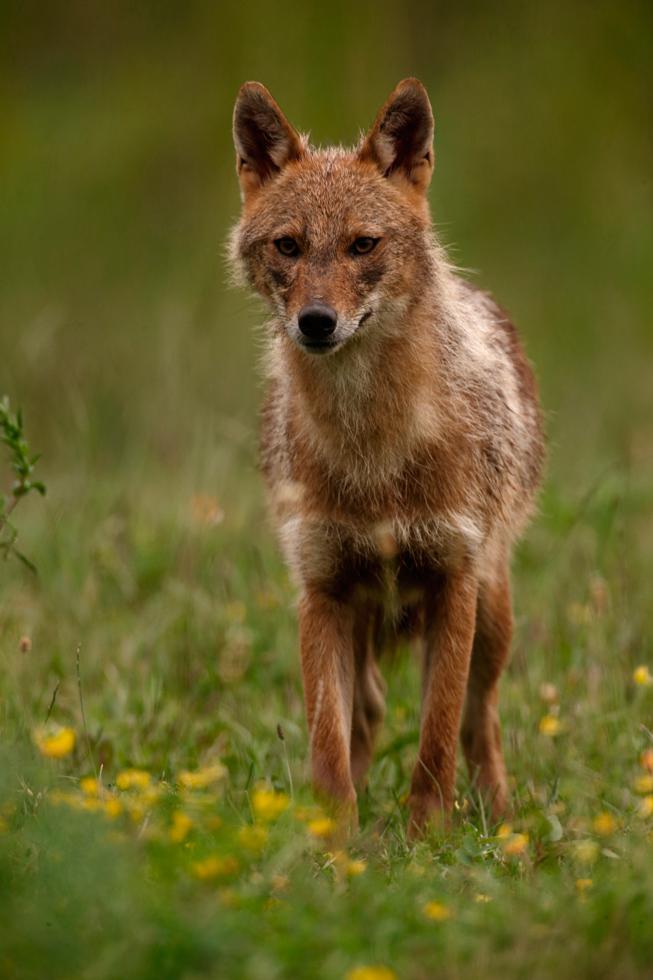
<point>369,405</point>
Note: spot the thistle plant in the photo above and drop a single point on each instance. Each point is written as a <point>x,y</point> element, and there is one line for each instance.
<point>22,462</point>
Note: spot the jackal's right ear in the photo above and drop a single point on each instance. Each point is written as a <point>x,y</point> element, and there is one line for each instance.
<point>400,142</point>
<point>264,139</point>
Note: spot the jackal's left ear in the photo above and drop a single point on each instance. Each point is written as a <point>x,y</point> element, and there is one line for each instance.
<point>264,139</point>
<point>400,142</point>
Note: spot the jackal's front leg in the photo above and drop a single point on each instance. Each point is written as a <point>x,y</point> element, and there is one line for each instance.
<point>448,637</point>
<point>327,651</point>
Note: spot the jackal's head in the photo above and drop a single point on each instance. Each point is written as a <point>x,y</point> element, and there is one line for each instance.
<point>335,240</point>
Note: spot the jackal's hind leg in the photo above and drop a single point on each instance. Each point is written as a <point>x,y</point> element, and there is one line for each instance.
<point>369,696</point>
<point>481,733</point>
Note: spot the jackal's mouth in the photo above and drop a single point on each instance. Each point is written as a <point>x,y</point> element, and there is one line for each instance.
<point>366,315</point>
<point>318,346</point>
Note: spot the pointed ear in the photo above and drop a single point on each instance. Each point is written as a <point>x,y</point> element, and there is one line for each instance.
<point>264,139</point>
<point>400,142</point>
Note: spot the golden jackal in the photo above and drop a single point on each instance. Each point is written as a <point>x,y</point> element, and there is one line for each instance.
<point>401,441</point>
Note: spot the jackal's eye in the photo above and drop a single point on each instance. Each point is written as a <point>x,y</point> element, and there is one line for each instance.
<point>363,245</point>
<point>287,246</point>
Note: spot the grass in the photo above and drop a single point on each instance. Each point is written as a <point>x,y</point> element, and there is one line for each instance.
<point>166,641</point>
<point>159,634</point>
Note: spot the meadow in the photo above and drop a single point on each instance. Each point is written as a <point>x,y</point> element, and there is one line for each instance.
<point>155,814</point>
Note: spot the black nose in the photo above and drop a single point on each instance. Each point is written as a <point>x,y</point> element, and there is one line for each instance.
<point>317,321</point>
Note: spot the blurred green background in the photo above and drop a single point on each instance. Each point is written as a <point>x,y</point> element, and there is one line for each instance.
<point>137,368</point>
<point>118,333</point>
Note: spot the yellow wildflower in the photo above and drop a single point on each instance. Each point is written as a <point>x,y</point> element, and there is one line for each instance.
<point>646,759</point>
<point>267,804</point>
<point>515,845</point>
<point>646,807</point>
<point>352,867</point>
<point>214,867</point>
<point>321,826</point>
<point>642,676</point>
<point>133,779</point>
<point>202,778</point>
<point>150,794</point>
<point>112,807</point>
<point>644,784</point>
<point>583,884</point>
<point>253,838</point>
<point>604,824</point>
<point>90,803</point>
<point>136,812</point>
<point>355,867</point>
<point>180,828</point>
<point>437,911</point>
<point>504,831</point>
<point>57,745</point>
<point>549,725</point>
<point>89,786</point>
<point>60,796</point>
<point>586,851</point>
<point>370,973</point>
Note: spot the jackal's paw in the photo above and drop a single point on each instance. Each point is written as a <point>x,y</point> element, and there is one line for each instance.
<point>341,821</point>
<point>492,789</point>
<point>425,814</point>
